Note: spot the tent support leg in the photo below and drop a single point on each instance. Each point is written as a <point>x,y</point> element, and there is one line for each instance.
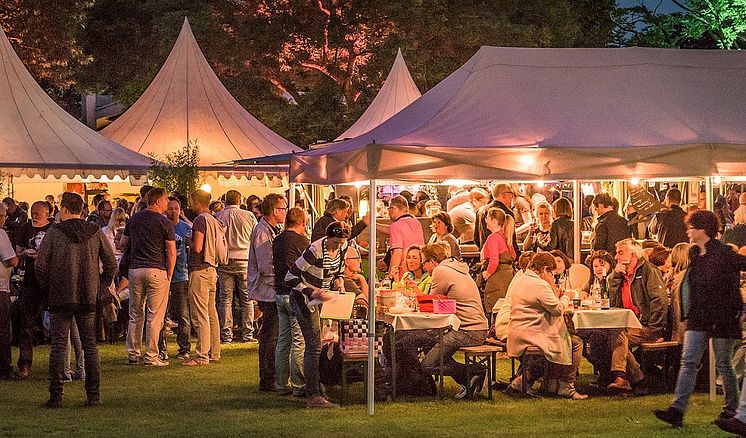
<point>372,246</point>
<point>577,214</point>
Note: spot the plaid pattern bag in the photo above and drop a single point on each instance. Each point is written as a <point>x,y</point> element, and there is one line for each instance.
<point>353,337</point>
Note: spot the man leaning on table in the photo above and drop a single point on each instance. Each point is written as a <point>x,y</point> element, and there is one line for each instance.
<point>636,285</point>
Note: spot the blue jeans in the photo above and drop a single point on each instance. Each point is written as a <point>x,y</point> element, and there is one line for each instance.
<point>695,343</point>
<point>289,350</point>
<point>310,326</point>
<point>233,276</point>
<point>60,332</point>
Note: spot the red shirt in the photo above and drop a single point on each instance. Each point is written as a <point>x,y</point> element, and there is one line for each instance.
<point>626,292</point>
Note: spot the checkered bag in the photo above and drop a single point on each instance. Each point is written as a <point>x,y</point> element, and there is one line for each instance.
<point>353,337</point>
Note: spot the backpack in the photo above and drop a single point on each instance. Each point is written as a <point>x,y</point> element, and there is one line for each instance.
<point>221,243</point>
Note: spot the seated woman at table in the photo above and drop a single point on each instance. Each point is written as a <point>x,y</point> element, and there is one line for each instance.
<point>498,256</point>
<point>501,310</point>
<point>415,275</point>
<point>536,320</point>
<point>538,233</point>
<point>442,229</point>
<point>601,264</point>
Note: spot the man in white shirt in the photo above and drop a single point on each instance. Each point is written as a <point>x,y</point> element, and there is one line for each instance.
<point>239,225</point>
<point>8,261</point>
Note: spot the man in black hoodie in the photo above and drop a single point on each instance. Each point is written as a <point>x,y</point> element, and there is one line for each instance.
<point>72,263</point>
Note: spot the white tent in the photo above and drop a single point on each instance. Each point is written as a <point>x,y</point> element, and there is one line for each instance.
<point>528,114</point>
<point>398,91</point>
<point>37,137</point>
<point>187,102</point>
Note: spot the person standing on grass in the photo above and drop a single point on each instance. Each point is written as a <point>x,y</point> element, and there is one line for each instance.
<point>711,306</point>
<point>73,262</point>
<point>152,260</point>
<point>261,283</point>
<point>204,257</point>
<point>8,261</point>
<point>239,225</point>
<point>286,248</point>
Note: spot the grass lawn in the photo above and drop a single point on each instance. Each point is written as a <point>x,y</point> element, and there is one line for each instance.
<point>223,400</point>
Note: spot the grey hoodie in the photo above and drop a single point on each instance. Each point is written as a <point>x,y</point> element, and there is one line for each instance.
<point>67,265</point>
<point>451,278</point>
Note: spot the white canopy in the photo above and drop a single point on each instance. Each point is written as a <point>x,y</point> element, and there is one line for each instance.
<point>187,102</point>
<point>524,114</point>
<point>37,137</point>
<point>398,91</point>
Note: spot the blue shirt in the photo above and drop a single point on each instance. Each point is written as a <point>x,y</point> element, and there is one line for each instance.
<point>183,235</point>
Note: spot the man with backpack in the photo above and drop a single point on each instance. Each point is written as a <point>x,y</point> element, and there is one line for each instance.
<point>208,250</point>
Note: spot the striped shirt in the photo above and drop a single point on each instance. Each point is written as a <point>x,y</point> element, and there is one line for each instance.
<point>315,269</point>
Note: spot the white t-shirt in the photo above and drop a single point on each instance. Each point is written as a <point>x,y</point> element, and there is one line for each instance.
<point>6,253</point>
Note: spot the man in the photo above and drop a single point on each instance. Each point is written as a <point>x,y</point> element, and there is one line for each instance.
<point>668,224</point>
<point>15,217</point>
<point>239,225</point>
<point>733,199</point>
<point>451,278</point>
<point>711,307</point>
<point>636,285</point>
<point>52,205</point>
<point>286,248</point>
<point>611,227</point>
<point>8,261</point>
<point>204,258</point>
<point>354,280</point>
<point>102,214</point>
<point>179,288</point>
<point>261,281</point>
<point>336,211</point>
<point>73,261</point>
<point>702,200</point>
<point>503,199</point>
<point>29,237</point>
<point>464,215</point>
<point>404,232</point>
<point>152,260</point>
<point>358,227</point>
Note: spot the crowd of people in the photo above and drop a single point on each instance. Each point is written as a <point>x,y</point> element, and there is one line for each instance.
<point>186,263</point>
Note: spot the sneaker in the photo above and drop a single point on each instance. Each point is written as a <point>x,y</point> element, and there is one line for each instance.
<point>182,357</point>
<point>194,362</point>
<point>226,341</point>
<point>156,363</point>
<point>133,361</point>
<point>163,355</point>
<point>620,384</point>
<point>732,425</point>
<point>53,403</point>
<point>461,393</point>
<point>22,374</point>
<point>476,384</point>
<point>672,416</point>
<point>251,340</point>
<point>319,402</point>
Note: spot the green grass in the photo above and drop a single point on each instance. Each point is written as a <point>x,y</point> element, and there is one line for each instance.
<point>223,400</point>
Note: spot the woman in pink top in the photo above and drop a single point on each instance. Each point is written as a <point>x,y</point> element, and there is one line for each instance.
<point>498,254</point>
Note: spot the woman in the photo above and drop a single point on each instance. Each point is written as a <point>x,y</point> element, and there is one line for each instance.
<point>113,231</point>
<point>601,264</point>
<point>415,277</point>
<point>679,261</point>
<point>442,229</point>
<point>311,278</point>
<point>538,234</point>
<point>536,320</point>
<point>498,255</point>
<point>561,233</point>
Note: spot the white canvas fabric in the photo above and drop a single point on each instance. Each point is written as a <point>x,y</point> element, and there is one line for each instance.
<point>524,113</point>
<point>187,102</point>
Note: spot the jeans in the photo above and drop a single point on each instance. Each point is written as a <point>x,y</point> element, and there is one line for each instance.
<point>449,344</point>
<point>60,331</point>
<point>310,326</point>
<point>6,369</point>
<point>179,304</point>
<point>74,345</point>
<point>290,348</point>
<point>148,291</point>
<point>202,285</point>
<point>232,277</point>
<point>30,311</point>
<point>695,343</point>
<point>267,338</point>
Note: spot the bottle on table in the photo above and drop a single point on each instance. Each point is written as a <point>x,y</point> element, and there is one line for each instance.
<point>604,292</point>
<point>576,299</point>
<point>596,294</point>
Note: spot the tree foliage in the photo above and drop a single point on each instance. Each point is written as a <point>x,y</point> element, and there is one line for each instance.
<point>177,172</point>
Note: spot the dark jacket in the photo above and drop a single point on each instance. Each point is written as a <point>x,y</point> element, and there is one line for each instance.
<point>611,228</point>
<point>286,248</point>
<point>561,236</point>
<point>481,232</point>
<point>714,298</point>
<point>68,265</point>
<point>649,295</point>
<point>319,229</point>
<point>735,235</point>
<point>669,225</point>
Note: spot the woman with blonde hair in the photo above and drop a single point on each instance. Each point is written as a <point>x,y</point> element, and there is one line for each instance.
<point>538,234</point>
<point>497,256</point>
<point>674,278</point>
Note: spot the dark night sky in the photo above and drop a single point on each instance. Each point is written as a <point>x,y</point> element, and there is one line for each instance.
<point>666,6</point>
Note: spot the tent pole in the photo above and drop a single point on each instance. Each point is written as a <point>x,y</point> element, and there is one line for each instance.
<point>577,217</point>
<point>708,193</point>
<point>291,197</point>
<point>372,246</point>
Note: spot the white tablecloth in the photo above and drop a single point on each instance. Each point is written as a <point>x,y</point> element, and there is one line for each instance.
<point>422,320</point>
<point>605,319</point>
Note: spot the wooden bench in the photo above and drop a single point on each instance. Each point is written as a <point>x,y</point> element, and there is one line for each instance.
<point>484,354</point>
<point>670,349</point>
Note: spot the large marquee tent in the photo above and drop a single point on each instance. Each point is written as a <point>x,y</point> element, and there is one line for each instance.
<point>38,139</point>
<point>185,103</point>
<point>554,114</point>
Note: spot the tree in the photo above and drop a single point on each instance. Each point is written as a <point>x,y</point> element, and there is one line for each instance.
<point>722,20</point>
<point>177,172</point>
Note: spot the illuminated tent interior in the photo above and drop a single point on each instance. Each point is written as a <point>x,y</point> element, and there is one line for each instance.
<point>557,114</point>
<point>186,103</point>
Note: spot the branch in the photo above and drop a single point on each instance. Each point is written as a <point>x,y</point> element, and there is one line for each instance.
<point>319,68</point>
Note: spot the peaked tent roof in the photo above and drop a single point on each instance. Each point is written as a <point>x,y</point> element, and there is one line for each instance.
<point>39,137</point>
<point>518,113</point>
<point>398,91</point>
<point>187,102</point>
